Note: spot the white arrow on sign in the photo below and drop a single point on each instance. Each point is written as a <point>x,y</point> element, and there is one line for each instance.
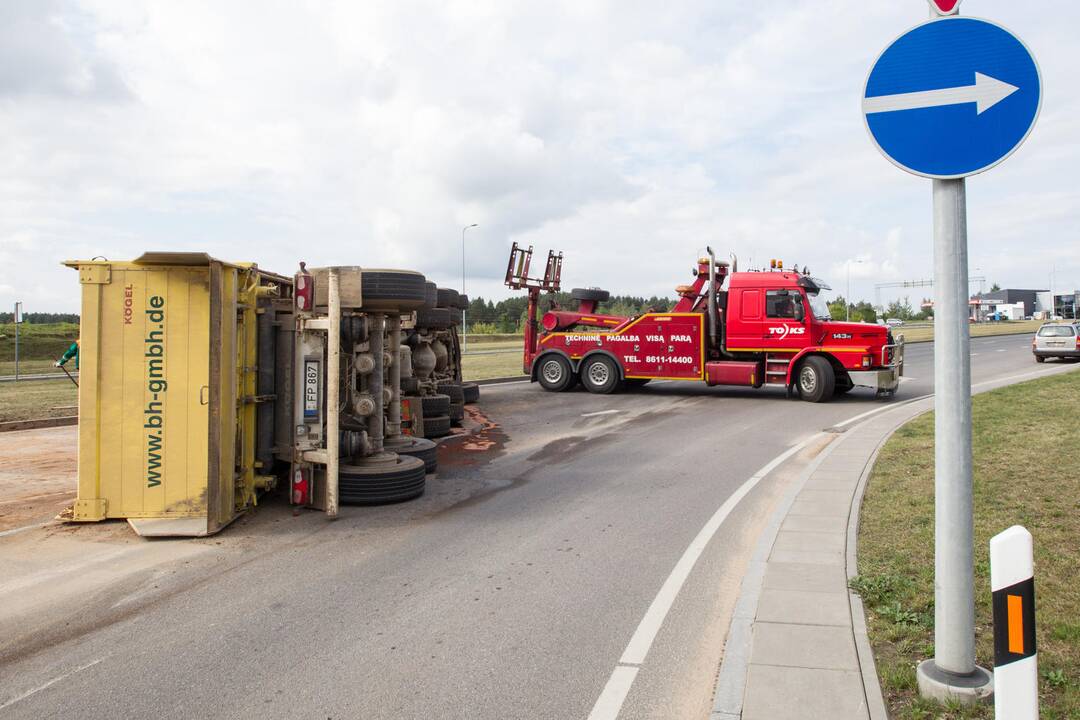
<point>985,93</point>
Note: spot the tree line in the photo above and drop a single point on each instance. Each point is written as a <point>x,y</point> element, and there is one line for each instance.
<point>40,318</point>
<point>865,312</point>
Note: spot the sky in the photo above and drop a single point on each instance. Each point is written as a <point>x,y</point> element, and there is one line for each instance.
<point>629,135</point>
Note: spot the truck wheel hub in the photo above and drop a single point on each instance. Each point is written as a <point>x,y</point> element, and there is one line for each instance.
<point>598,373</point>
<point>553,371</point>
<point>807,380</point>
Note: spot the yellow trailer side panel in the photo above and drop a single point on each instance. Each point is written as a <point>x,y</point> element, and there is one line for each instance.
<point>167,403</point>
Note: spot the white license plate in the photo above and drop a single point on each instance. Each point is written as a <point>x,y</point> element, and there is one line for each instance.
<point>311,388</point>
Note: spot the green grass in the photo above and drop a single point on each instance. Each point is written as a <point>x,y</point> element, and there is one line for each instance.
<point>37,399</point>
<point>39,346</point>
<point>495,365</point>
<point>1026,451</point>
<point>925,333</point>
<point>497,338</point>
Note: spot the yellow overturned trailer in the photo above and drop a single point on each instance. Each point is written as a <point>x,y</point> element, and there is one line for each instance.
<point>176,411</point>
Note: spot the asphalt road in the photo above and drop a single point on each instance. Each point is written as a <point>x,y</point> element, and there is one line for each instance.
<point>509,591</point>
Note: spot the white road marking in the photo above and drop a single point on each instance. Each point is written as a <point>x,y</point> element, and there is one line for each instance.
<point>55,680</point>
<point>610,702</point>
<point>1001,349</point>
<point>611,699</point>
<point>600,412</point>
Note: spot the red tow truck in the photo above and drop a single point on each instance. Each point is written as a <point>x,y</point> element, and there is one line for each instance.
<point>764,328</point>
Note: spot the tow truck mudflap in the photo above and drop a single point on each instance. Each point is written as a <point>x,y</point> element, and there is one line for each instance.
<point>886,378</point>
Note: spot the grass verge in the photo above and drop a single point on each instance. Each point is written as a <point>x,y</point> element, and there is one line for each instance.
<point>1026,450</point>
<point>37,399</point>
<point>39,346</point>
<point>494,365</point>
<point>1015,327</point>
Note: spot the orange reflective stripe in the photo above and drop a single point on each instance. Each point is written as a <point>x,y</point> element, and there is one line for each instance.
<point>1016,624</point>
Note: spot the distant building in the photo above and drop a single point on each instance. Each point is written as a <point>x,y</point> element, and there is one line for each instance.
<point>1066,305</point>
<point>987,303</point>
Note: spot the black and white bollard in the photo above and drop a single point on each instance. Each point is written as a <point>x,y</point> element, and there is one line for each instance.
<point>1016,674</point>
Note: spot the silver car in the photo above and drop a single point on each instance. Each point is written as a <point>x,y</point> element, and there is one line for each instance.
<point>1056,340</point>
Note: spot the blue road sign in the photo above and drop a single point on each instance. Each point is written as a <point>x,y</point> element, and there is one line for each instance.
<point>952,97</point>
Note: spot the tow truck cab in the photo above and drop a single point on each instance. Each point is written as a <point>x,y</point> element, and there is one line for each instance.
<point>781,319</point>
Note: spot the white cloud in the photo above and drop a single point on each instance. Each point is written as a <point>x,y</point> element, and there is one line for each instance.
<point>627,135</point>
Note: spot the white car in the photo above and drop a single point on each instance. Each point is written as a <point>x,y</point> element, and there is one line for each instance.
<point>1060,341</point>
<point>894,322</point>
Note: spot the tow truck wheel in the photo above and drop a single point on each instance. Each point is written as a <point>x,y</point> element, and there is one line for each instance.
<point>555,373</point>
<point>599,375</point>
<point>816,380</point>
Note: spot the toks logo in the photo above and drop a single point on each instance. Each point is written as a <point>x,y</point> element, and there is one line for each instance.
<point>782,331</point>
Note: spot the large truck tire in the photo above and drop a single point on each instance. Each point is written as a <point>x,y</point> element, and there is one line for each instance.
<point>590,294</point>
<point>452,390</point>
<point>600,375</point>
<point>410,385</point>
<point>555,374</point>
<point>433,318</point>
<point>392,290</point>
<point>463,301</point>
<point>457,414</point>
<point>415,447</point>
<point>447,298</point>
<point>816,380</point>
<point>434,405</point>
<point>471,392</point>
<point>436,426</point>
<point>381,485</point>
<point>431,294</point>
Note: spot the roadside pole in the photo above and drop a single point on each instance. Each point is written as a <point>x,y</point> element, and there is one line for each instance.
<point>17,317</point>
<point>464,329</point>
<point>1016,664</point>
<point>927,69</point>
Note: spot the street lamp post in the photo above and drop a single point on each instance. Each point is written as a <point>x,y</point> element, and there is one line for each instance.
<point>847,300</point>
<point>464,335</point>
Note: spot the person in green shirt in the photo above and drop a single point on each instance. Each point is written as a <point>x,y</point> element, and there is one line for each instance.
<point>72,352</point>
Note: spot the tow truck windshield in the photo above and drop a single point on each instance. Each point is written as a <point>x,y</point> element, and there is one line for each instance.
<point>819,307</point>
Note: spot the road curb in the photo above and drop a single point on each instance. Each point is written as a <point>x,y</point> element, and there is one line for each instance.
<point>875,700</point>
<point>501,380</point>
<point>15,425</point>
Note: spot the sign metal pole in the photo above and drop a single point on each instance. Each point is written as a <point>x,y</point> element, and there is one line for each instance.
<point>953,667</point>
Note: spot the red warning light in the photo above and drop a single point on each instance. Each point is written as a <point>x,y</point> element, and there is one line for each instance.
<point>945,7</point>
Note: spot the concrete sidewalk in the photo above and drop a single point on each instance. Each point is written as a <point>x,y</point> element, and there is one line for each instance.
<point>797,647</point>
